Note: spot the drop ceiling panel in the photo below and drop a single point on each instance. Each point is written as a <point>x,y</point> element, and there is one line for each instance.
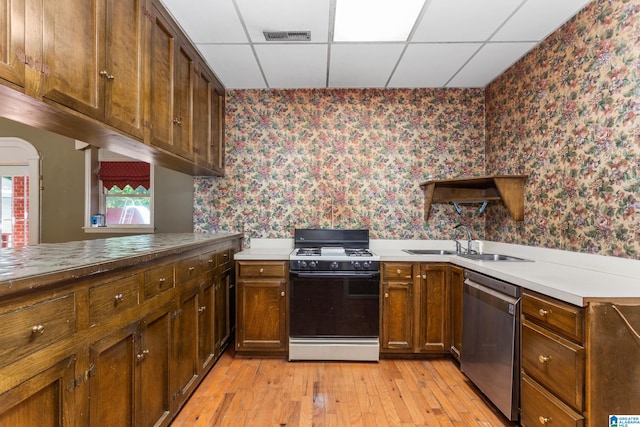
<point>214,21</point>
<point>286,15</point>
<point>536,19</point>
<point>431,65</point>
<point>294,65</point>
<point>488,63</point>
<point>463,20</point>
<point>235,65</point>
<point>362,65</point>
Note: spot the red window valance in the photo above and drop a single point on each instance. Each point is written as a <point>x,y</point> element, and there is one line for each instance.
<point>122,174</point>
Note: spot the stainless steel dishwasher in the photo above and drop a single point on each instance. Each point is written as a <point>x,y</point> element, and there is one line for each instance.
<point>491,340</point>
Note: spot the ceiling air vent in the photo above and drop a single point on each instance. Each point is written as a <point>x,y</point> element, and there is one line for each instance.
<point>287,36</point>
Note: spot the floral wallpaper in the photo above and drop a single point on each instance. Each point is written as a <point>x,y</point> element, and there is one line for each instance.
<point>568,114</point>
<point>344,159</point>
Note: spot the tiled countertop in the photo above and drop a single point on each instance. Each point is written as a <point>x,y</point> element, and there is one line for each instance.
<point>93,256</point>
<point>568,276</point>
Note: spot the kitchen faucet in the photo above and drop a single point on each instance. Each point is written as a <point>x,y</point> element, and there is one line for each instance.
<point>458,245</point>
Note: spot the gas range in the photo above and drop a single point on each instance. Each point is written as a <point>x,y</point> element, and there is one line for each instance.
<point>332,250</point>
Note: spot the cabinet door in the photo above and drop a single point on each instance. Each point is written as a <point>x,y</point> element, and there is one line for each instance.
<point>397,316</point>
<point>12,41</point>
<point>206,313</point>
<point>125,41</point>
<point>456,283</point>
<point>154,400</point>
<point>186,344</point>
<point>112,383</point>
<point>160,99</point>
<point>41,401</point>
<point>222,312</point>
<point>182,97</point>
<point>261,315</point>
<point>202,116</point>
<point>433,305</point>
<point>72,36</point>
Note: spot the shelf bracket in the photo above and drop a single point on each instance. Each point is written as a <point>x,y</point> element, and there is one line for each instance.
<point>456,205</point>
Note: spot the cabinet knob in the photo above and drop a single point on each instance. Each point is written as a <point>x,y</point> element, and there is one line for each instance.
<point>38,329</point>
<point>544,313</point>
<point>262,270</point>
<point>202,309</point>
<point>118,298</point>
<point>544,359</point>
<point>386,294</point>
<point>210,260</point>
<point>177,121</point>
<point>162,280</point>
<point>282,293</point>
<point>140,356</point>
<point>398,271</point>
<point>191,269</point>
<point>544,420</point>
<point>424,277</point>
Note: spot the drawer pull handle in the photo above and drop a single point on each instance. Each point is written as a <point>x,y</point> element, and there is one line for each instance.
<point>262,270</point>
<point>544,313</point>
<point>282,293</point>
<point>544,420</point>
<point>38,329</point>
<point>118,298</point>
<point>202,309</point>
<point>544,359</point>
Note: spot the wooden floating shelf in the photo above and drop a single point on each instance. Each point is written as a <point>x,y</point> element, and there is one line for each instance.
<point>508,188</point>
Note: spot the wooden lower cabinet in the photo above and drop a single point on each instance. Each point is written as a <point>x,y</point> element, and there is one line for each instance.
<point>222,301</point>
<point>262,307</point>
<point>456,286</point>
<point>185,345</point>
<point>414,308</point>
<point>133,364</point>
<point>42,400</point>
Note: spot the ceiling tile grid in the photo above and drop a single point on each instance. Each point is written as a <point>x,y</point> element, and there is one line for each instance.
<point>452,43</point>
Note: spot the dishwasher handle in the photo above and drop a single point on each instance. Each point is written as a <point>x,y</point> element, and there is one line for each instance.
<point>502,302</point>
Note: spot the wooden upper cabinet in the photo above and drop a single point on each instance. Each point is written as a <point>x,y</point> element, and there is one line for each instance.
<point>71,54</point>
<point>217,123</point>
<point>124,68</point>
<point>202,116</point>
<point>93,59</point>
<point>12,42</point>
<point>170,99</point>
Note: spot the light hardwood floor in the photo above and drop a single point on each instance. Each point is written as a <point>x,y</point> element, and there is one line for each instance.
<point>274,392</point>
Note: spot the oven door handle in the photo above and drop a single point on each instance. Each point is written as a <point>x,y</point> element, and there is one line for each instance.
<point>336,275</point>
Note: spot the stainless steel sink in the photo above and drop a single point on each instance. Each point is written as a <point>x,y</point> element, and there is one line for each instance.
<point>428,251</point>
<point>493,257</point>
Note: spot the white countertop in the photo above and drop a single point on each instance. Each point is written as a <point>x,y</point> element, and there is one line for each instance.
<point>568,276</point>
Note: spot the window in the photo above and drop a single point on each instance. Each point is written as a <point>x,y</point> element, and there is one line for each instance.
<point>119,194</point>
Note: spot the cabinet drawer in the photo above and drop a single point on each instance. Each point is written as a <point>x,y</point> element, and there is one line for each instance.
<point>158,280</point>
<point>392,270</point>
<point>28,329</point>
<point>561,317</point>
<point>539,407</point>
<point>187,269</point>
<point>262,269</point>
<point>208,261</point>
<point>554,362</point>
<point>224,257</point>
<point>111,298</point>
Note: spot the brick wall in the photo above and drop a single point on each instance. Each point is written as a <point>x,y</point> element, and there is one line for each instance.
<point>20,210</point>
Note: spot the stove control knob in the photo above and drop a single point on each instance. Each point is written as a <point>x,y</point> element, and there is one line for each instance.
<point>313,264</point>
<point>302,264</point>
<point>334,265</point>
<point>366,264</point>
<point>356,265</point>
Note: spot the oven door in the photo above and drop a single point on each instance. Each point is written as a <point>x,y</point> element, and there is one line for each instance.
<point>334,305</point>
